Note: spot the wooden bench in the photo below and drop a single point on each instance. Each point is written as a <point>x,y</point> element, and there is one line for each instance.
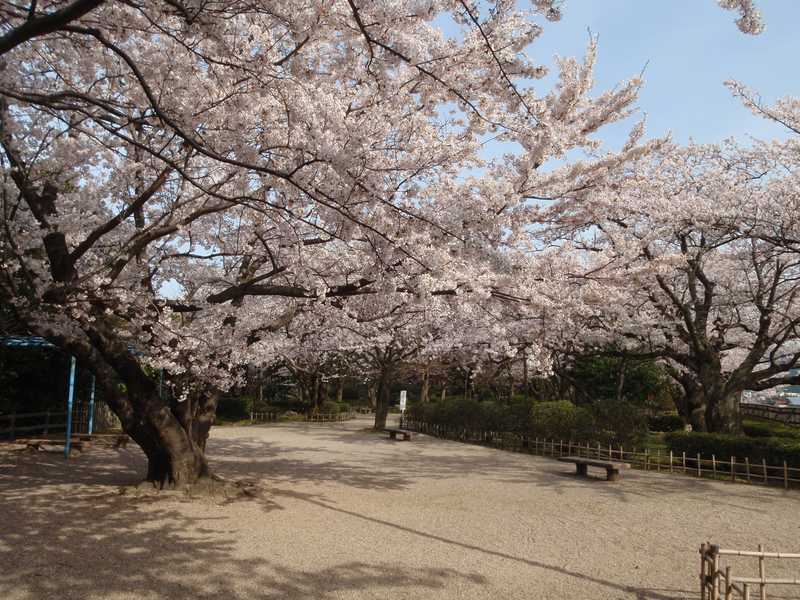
<point>395,431</point>
<point>612,468</point>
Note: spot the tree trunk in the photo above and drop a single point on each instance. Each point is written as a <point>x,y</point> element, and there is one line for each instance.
<point>722,413</point>
<point>382,401</point>
<point>171,434</point>
<point>426,377</point>
<point>372,395</point>
<point>444,393</point>
<point>339,390</point>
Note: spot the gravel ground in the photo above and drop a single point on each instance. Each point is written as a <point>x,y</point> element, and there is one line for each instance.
<point>347,514</point>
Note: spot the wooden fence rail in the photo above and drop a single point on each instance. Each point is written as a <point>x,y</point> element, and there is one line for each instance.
<point>331,417</point>
<point>48,422</point>
<point>263,417</point>
<point>782,414</point>
<point>741,470</point>
<point>718,582</point>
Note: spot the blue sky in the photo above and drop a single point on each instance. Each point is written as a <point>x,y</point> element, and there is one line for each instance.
<point>690,48</point>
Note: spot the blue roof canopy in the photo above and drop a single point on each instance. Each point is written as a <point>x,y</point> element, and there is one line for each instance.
<point>25,341</point>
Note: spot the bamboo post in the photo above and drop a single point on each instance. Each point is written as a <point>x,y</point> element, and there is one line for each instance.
<point>561,447</point>
<point>670,461</point>
<point>764,467</point>
<point>699,470</point>
<point>684,461</point>
<point>762,588</point>
<point>728,589</point>
<point>746,591</point>
<point>598,450</point>
<point>610,454</point>
<point>703,571</point>
<point>658,460</point>
<point>747,467</point>
<point>646,459</point>
<point>621,452</point>
<point>785,476</point>
<point>733,468</point>
<point>714,465</point>
<point>714,574</point>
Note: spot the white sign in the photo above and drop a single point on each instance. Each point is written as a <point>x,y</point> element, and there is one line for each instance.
<point>402,401</point>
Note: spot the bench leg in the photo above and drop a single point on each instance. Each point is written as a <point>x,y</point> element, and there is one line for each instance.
<point>582,470</point>
<point>613,475</point>
<point>392,435</point>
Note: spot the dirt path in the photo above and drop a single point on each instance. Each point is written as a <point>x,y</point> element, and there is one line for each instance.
<point>348,514</point>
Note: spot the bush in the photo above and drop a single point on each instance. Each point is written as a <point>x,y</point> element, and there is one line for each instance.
<point>234,407</point>
<point>665,423</point>
<point>773,450</point>
<point>562,420</point>
<point>620,423</point>
<point>763,429</point>
<point>329,408</point>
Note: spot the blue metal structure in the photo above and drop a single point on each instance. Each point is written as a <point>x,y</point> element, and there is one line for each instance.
<point>19,341</point>
<point>70,398</point>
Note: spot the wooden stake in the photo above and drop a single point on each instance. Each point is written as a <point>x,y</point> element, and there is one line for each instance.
<point>670,461</point>
<point>785,476</point>
<point>714,465</point>
<point>684,462</point>
<point>747,467</point>
<point>733,468</point>
<point>703,582</point>
<point>764,466</point>
<point>699,471</point>
<point>762,574</point>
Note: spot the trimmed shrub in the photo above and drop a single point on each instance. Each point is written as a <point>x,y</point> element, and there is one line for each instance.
<point>761,429</point>
<point>773,450</point>
<point>620,423</point>
<point>665,423</point>
<point>562,420</point>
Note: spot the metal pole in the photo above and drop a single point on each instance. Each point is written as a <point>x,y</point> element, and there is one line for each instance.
<point>70,397</point>
<point>91,407</point>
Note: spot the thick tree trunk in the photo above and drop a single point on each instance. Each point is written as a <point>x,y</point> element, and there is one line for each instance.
<point>382,402</point>
<point>372,395</point>
<point>722,413</point>
<point>426,378</point>
<point>339,390</point>
<point>172,435</point>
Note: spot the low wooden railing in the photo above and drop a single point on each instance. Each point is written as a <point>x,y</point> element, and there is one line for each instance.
<point>782,414</point>
<point>741,470</point>
<point>717,581</point>
<point>331,417</point>
<point>263,417</point>
<point>48,422</point>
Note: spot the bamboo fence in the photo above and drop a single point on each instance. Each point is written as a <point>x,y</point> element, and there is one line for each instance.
<point>782,414</point>
<point>263,417</point>
<point>717,582</point>
<point>739,470</point>
<point>331,417</point>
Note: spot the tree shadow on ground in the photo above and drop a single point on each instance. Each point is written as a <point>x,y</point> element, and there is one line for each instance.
<point>397,465</point>
<point>67,534</point>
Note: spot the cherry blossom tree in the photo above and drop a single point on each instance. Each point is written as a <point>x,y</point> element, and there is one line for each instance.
<point>186,179</point>
<point>688,258</point>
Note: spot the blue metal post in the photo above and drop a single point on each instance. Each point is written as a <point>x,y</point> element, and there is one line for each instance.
<point>91,407</point>
<point>68,442</point>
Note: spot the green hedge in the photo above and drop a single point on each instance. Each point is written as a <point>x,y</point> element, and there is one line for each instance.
<point>560,420</point>
<point>665,423</point>
<point>773,450</point>
<point>763,429</point>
